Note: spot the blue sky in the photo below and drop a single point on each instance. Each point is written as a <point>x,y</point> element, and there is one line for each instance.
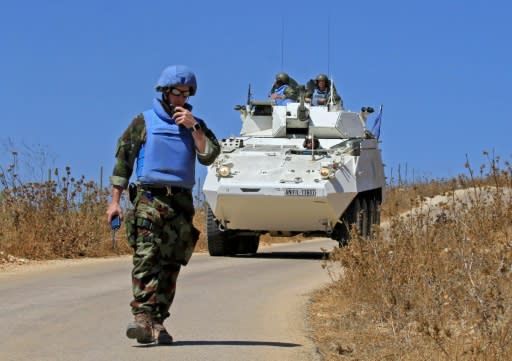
<point>74,73</point>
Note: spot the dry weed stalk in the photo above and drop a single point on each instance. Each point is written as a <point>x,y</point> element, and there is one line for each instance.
<point>439,278</point>
<point>64,218</point>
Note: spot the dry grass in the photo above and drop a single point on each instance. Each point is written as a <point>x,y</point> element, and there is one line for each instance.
<point>434,286</point>
<point>65,218</point>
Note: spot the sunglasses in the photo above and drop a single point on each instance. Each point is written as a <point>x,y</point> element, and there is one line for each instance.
<point>177,92</point>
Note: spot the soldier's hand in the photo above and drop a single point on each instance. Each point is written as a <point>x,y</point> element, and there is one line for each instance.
<point>113,210</point>
<point>184,117</point>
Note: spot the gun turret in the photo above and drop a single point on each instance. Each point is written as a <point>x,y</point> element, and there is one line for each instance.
<point>302,111</point>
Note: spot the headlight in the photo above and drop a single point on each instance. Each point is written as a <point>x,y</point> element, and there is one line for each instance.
<point>324,172</point>
<point>224,171</point>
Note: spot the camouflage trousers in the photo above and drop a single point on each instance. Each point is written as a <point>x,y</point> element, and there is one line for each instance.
<point>160,231</point>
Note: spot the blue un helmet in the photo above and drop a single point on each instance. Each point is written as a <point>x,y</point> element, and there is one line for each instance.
<point>176,75</point>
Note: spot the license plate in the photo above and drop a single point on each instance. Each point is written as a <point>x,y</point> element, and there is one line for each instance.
<point>300,192</point>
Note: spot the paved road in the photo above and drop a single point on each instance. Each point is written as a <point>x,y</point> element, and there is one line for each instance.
<point>226,308</point>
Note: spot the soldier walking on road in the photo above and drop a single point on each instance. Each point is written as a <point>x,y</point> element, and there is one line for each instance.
<point>163,142</point>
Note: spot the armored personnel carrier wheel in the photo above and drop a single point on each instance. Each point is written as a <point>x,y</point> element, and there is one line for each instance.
<point>218,243</point>
<point>363,219</point>
<point>358,213</point>
<point>247,244</point>
<point>373,215</point>
<point>343,229</point>
<point>377,212</point>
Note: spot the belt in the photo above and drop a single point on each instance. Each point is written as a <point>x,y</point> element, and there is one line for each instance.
<point>158,190</point>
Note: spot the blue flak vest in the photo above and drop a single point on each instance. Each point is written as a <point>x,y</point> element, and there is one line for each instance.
<point>168,156</point>
<point>317,94</point>
<point>280,91</point>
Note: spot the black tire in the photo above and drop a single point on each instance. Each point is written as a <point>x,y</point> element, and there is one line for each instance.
<point>355,215</point>
<point>362,219</point>
<point>248,244</point>
<point>355,209</point>
<point>372,216</point>
<point>348,218</point>
<point>243,244</point>
<point>218,243</point>
<point>362,213</point>
<point>377,212</point>
<point>341,231</point>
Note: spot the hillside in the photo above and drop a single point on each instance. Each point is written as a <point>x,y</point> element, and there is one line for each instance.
<point>432,284</point>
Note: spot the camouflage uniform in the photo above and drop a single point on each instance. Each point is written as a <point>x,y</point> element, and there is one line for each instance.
<point>312,84</point>
<point>292,90</point>
<point>159,228</point>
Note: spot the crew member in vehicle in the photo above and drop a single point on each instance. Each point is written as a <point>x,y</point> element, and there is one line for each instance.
<point>284,90</point>
<point>311,142</point>
<point>319,91</point>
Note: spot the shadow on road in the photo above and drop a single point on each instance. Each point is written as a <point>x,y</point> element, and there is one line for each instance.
<point>226,343</point>
<point>288,255</point>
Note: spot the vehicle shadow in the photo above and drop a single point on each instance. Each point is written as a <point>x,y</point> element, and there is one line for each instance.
<point>225,343</point>
<point>288,255</point>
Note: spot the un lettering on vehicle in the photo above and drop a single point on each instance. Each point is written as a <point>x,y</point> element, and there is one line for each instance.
<point>300,192</point>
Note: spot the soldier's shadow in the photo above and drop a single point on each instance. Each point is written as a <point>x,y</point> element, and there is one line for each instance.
<point>288,255</point>
<point>225,343</point>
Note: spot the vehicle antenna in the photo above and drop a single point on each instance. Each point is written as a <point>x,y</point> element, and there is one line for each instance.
<point>331,81</point>
<point>329,45</point>
<point>331,93</point>
<point>249,95</point>
<point>282,43</point>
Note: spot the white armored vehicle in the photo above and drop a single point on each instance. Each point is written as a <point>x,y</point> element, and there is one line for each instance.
<point>267,180</point>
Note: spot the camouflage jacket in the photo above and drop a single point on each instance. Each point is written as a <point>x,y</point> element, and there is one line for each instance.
<point>130,142</point>
<point>311,86</point>
<point>291,91</point>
